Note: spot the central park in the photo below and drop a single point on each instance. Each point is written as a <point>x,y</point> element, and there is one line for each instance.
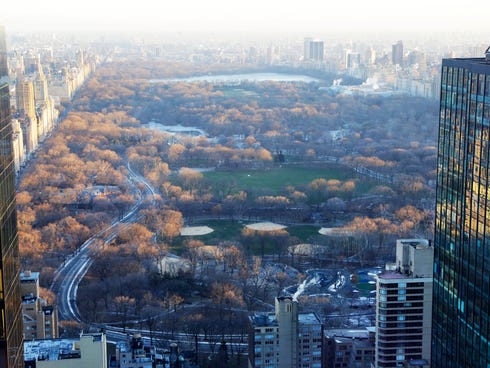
<point>284,182</point>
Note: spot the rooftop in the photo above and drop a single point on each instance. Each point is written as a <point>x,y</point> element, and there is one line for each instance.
<point>269,319</point>
<point>308,318</point>
<point>349,333</point>
<point>55,349</point>
<point>29,276</point>
<point>263,319</point>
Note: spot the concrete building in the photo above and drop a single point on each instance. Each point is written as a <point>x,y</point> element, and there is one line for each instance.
<point>404,306</point>
<point>352,348</point>
<point>132,354</point>
<point>285,338</point>
<point>90,350</point>
<point>26,106</point>
<point>40,320</point>
<point>18,147</point>
<point>29,131</point>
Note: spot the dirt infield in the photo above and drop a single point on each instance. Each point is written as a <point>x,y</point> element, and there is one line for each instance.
<point>266,226</point>
<point>195,230</point>
<point>334,231</point>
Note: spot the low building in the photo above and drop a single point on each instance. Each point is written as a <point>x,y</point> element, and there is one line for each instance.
<point>132,354</point>
<point>349,348</point>
<point>90,350</point>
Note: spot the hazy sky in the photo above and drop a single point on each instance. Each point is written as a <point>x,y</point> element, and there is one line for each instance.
<point>245,15</point>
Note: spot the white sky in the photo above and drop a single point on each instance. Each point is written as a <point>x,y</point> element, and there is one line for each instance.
<point>245,15</point>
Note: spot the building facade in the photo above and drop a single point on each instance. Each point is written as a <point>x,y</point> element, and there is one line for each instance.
<point>461,313</point>
<point>40,320</point>
<point>404,307</point>
<point>286,338</point>
<point>11,352</point>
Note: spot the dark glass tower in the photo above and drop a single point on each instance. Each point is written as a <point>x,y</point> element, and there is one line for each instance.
<point>461,305</point>
<point>11,340</point>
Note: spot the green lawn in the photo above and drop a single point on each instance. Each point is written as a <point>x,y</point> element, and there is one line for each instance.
<point>229,230</point>
<point>237,92</point>
<point>275,179</point>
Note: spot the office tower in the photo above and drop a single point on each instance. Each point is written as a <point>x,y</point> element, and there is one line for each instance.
<point>397,53</point>
<point>286,338</point>
<point>461,311</point>
<point>404,307</point>
<point>11,351</point>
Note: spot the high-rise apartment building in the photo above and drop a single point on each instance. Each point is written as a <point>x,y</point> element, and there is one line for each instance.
<point>461,312</point>
<point>11,340</point>
<point>286,338</point>
<point>404,307</point>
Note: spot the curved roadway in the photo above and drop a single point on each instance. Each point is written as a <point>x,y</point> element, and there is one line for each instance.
<point>69,275</point>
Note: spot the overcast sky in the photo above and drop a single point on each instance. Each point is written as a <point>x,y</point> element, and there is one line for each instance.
<point>245,15</point>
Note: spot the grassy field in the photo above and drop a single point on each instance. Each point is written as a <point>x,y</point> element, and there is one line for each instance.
<point>276,178</point>
<point>238,93</point>
<point>229,230</point>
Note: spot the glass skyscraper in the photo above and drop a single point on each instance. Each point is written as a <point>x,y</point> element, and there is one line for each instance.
<point>11,339</point>
<point>461,308</point>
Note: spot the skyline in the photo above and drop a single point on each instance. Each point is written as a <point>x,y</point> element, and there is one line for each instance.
<point>253,16</point>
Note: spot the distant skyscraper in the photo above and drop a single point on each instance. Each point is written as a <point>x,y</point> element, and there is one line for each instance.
<point>316,50</point>
<point>397,53</point>
<point>461,309</point>
<point>11,340</point>
<point>313,49</point>
<point>306,48</point>
<point>404,306</point>
<point>353,60</point>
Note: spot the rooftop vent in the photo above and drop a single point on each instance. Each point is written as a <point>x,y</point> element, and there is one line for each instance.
<point>487,55</point>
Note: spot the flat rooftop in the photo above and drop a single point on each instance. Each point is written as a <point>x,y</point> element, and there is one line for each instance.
<point>29,276</point>
<point>349,333</point>
<point>56,349</point>
<point>308,318</point>
<point>269,319</point>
